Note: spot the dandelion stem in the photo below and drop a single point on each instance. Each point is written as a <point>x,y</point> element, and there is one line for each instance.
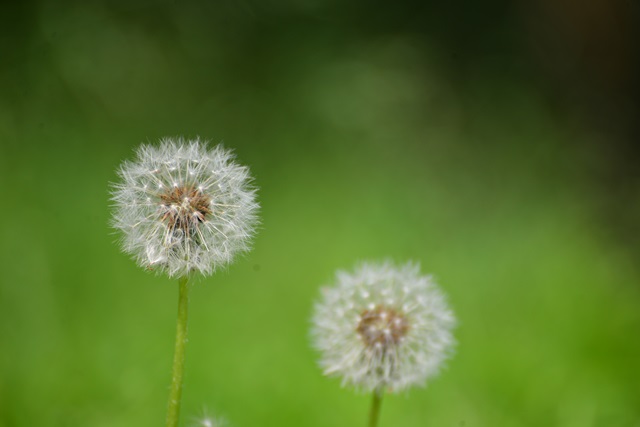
<point>173,412</point>
<point>374,413</point>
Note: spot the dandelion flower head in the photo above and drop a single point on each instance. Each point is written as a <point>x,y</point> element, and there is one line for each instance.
<point>182,206</point>
<point>383,327</point>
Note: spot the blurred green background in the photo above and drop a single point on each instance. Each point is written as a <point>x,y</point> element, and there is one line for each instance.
<point>493,142</point>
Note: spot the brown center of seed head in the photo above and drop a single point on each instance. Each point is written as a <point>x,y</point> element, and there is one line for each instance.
<point>184,206</point>
<point>382,326</point>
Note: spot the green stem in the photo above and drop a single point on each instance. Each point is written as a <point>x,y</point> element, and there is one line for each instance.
<point>374,413</point>
<point>173,413</point>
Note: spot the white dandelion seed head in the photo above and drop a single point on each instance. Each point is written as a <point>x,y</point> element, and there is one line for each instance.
<point>182,206</point>
<point>207,420</point>
<point>383,327</point>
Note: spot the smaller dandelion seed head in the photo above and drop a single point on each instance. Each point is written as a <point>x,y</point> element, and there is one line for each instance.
<point>383,327</point>
<point>181,206</point>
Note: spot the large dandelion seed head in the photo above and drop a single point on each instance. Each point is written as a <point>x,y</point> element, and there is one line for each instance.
<point>383,327</point>
<point>184,207</point>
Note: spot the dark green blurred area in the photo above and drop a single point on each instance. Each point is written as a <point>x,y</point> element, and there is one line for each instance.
<point>479,141</point>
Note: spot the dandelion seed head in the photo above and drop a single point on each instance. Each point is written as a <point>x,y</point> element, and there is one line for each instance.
<point>383,327</point>
<point>206,420</point>
<point>181,207</point>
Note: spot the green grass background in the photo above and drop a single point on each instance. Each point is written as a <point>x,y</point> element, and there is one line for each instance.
<point>363,148</point>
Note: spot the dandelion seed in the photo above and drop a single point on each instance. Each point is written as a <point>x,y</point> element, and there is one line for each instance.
<point>183,207</point>
<point>380,339</point>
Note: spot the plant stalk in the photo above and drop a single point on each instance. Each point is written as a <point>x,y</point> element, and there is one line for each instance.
<point>374,413</point>
<point>175,396</point>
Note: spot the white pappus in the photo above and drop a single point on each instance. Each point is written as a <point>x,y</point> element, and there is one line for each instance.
<point>382,327</point>
<point>181,207</point>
